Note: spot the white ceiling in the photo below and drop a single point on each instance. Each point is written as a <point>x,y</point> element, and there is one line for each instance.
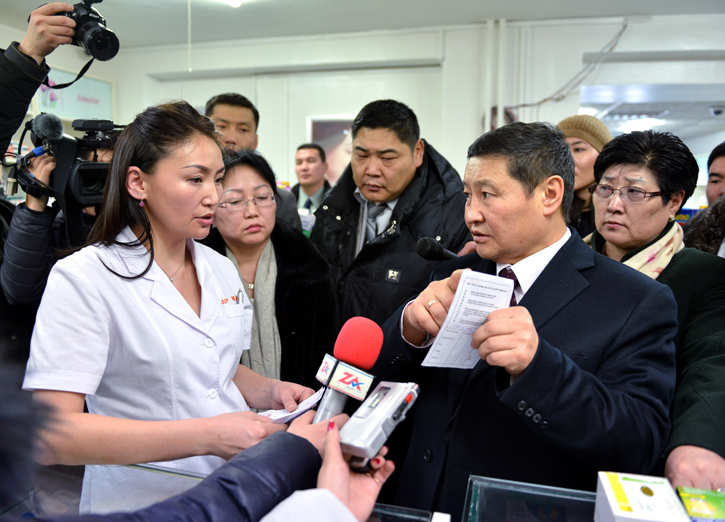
<point>687,110</point>
<point>140,23</point>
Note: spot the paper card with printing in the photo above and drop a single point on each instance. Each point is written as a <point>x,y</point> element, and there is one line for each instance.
<point>283,416</point>
<point>476,296</point>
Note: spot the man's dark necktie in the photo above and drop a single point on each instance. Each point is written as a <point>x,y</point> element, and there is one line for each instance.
<point>509,274</point>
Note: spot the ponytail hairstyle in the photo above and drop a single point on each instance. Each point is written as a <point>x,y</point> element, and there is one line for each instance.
<point>151,137</point>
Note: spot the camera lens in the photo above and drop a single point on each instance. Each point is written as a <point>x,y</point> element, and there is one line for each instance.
<point>99,41</point>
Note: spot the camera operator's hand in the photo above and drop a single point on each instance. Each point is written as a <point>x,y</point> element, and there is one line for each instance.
<point>41,168</point>
<point>46,32</point>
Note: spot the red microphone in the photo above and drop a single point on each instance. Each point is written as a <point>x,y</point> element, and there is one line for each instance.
<point>357,346</point>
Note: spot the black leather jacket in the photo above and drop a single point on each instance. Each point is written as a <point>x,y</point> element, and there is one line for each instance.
<point>388,271</point>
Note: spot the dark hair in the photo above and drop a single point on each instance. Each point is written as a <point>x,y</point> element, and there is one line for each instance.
<point>716,153</point>
<point>256,161</point>
<point>232,98</point>
<point>662,153</point>
<point>533,152</point>
<point>315,146</point>
<point>149,138</point>
<point>392,115</point>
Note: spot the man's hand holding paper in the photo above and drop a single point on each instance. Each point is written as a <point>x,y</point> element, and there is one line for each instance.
<point>507,339</point>
<point>428,312</point>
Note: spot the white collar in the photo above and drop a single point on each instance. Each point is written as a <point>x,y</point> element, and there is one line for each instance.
<point>131,261</point>
<point>529,269</point>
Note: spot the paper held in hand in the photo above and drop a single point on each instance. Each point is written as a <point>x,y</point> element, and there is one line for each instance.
<point>476,296</point>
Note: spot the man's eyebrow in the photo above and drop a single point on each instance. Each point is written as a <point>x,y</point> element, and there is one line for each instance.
<point>482,183</point>
<point>716,175</point>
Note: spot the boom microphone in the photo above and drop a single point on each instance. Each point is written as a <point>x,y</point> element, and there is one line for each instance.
<point>357,346</point>
<point>431,250</point>
<point>48,127</point>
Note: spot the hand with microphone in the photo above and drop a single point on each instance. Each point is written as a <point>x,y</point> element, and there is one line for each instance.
<point>38,165</point>
<point>357,347</point>
<point>431,250</point>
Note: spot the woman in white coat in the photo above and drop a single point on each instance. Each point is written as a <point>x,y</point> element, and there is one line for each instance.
<point>147,327</point>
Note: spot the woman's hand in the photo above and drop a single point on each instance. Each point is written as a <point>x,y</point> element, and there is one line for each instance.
<point>288,395</point>
<point>314,433</point>
<point>358,491</point>
<point>230,433</point>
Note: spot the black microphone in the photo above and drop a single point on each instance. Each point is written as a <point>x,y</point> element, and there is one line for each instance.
<point>357,346</point>
<point>46,128</point>
<point>431,250</point>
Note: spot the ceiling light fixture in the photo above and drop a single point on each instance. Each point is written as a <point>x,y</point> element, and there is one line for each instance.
<point>640,124</point>
<point>233,3</point>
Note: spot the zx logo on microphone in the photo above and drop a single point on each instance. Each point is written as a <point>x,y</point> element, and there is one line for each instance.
<point>347,378</point>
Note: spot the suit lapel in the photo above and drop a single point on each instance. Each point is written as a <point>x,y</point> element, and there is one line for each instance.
<point>556,286</point>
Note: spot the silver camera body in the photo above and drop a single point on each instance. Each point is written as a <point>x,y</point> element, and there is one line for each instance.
<point>367,430</point>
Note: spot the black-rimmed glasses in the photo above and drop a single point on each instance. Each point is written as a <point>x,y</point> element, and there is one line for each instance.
<point>627,194</point>
<point>239,204</point>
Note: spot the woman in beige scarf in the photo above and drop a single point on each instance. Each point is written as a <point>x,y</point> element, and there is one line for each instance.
<point>643,179</point>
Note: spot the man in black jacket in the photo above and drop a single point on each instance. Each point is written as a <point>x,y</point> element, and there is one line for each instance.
<point>396,190</point>
<point>22,70</point>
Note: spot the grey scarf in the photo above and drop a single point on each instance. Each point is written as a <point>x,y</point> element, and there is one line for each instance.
<point>265,353</point>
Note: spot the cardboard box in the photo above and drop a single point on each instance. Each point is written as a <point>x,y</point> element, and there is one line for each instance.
<point>623,497</point>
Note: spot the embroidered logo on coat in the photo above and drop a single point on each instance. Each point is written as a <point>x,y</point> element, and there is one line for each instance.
<point>393,276</point>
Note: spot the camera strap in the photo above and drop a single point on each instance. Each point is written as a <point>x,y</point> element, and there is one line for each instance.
<point>80,75</point>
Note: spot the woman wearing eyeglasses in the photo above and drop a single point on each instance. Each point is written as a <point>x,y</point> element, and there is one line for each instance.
<point>643,179</point>
<point>295,320</point>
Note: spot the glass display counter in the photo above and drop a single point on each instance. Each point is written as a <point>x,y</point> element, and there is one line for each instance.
<point>494,500</point>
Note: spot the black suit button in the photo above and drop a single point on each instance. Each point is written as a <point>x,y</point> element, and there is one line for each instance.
<point>536,418</point>
<point>427,455</point>
<point>529,412</point>
<point>521,405</point>
<point>544,425</point>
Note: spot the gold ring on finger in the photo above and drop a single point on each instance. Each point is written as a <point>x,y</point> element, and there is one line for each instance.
<point>369,474</point>
<point>430,303</point>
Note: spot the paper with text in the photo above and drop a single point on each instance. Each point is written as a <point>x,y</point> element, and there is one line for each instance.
<point>283,416</point>
<point>476,296</point>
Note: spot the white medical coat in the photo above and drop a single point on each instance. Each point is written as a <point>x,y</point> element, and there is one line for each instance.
<point>137,350</point>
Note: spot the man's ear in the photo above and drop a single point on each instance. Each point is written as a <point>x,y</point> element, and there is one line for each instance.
<point>134,183</point>
<point>418,153</point>
<point>552,194</point>
<point>256,141</point>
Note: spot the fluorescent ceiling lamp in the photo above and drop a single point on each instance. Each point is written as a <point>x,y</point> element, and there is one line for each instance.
<point>233,3</point>
<point>640,124</point>
<point>588,111</point>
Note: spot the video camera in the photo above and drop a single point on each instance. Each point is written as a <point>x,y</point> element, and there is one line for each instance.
<point>76,182</point>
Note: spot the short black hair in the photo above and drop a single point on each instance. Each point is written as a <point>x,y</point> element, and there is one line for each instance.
<point>716,153</point>
<point>232,98</point>
<point>392,115</point>
<point>315,146</point>
<point>662,153</point>
<point>254,160</point>
<point>533,153</point>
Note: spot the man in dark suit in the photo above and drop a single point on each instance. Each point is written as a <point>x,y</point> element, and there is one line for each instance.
<point>577,378</point>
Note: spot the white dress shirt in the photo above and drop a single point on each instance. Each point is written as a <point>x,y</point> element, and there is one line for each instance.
<point>137,350</point>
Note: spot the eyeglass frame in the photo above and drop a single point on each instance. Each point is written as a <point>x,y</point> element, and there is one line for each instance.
<point>225,204</point>
<point>593,188</point>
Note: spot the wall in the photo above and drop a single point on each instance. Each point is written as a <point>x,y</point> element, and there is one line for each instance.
<point>447,74</point>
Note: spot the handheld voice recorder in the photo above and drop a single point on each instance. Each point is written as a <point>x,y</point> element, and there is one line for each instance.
<point>367,430</point>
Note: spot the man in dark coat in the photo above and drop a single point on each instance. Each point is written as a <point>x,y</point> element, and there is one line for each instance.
<point>396,190</point>
<point>22,70</point>
<point>577,379</point>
